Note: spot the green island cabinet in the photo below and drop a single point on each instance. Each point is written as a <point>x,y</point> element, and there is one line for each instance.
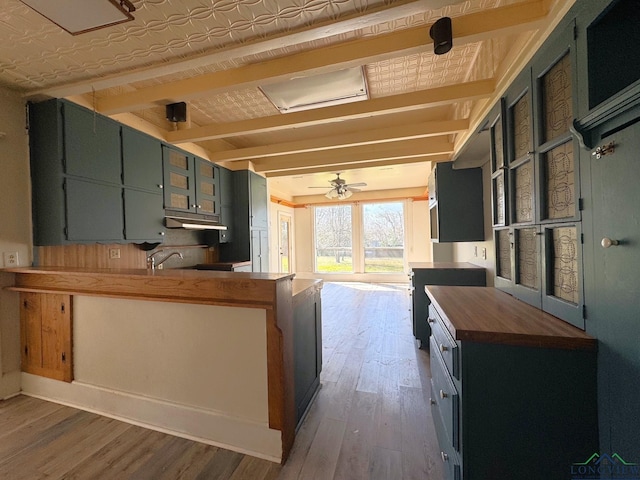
<point>437,273</point>
<point>89,183</point>
<point>250,224</point>
<point>513,389</point>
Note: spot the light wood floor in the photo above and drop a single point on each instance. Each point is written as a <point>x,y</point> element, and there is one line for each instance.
<point>370,419</point>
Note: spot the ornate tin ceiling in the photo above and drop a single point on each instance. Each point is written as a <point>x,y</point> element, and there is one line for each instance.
<point>182,41</point>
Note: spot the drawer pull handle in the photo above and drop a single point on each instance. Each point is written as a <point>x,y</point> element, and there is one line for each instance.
<point>431,320</point>
<point>445,456</point>
<point>432,401</point>
<point>443,394</point>
<point>443,348</point>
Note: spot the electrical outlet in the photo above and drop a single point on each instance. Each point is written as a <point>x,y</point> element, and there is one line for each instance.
<point>484,253</point>
<point>475,251</point>
<point>114,253</point>
<point>10,259</point>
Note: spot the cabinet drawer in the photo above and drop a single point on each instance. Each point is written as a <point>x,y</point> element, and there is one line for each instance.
<point>444,342</point>
<point>444,396</point>
<point>448,455</point>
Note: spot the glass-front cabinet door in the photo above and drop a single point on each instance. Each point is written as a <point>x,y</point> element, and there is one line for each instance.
<point>536,206</point>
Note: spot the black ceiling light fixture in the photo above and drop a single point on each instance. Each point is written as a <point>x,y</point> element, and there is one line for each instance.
<point>176,112</point>
<point>442,36</point>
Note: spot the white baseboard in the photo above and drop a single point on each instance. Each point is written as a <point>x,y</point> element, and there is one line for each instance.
<point>201,425</point>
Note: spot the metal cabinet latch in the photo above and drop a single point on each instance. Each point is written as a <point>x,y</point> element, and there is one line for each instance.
<point>603,150</point>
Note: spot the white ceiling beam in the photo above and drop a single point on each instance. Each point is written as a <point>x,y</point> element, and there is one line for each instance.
<point>378,106</point>
<point>381,135</point>
<point>354,155</point>
<point>467,28</point>
<point>445,157</point>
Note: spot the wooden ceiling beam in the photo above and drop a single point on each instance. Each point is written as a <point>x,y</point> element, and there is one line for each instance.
<point>432,97</point>
<point>467,28</point>
<point>354,155</point>
<point>444,157</point>
<point>381,135</point>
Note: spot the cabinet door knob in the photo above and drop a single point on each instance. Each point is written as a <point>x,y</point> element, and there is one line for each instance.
<point>431,320</point>
<point>161,233</point>
<point>160,185</point>
<point>607,242</point>
<point>443,394</point>
<point>445,456</point>
<point>431,401</point>
<point>443,348</point>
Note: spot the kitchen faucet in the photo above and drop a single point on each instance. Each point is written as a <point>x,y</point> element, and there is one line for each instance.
<point>151,261</point>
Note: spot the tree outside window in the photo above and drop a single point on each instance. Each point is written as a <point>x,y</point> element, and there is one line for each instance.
<point>333,230</point>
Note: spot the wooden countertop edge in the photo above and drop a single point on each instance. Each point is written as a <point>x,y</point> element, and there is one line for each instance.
<point>566,342</point>
<point>155,298</point>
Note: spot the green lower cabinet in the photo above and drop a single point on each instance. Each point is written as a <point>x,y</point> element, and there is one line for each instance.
<point>512,411</point>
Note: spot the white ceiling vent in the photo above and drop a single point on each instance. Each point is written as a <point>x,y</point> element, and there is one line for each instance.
<point>324,90</point>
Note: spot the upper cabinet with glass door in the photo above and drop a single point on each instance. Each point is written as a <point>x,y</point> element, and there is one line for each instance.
<point>536,204</point>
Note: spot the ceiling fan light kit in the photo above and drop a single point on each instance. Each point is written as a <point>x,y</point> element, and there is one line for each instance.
<point>340,189</point>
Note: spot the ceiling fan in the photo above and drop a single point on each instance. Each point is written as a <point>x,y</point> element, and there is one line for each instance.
<point>341,189</point>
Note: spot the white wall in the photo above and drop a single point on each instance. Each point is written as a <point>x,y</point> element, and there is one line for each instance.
<point>198,371</point>
<point>15,230</point>
<point>472,251</point>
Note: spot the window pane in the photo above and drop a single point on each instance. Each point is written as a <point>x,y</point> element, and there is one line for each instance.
<point>333,239</point>
<point>383,225</point>
<point>523,192</point>
<point>521,127</point>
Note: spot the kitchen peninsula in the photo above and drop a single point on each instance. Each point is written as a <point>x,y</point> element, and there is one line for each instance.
<point>203,354</point>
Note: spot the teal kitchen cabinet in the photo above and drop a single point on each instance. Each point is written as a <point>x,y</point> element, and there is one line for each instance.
<point>143,187</point>
<point>535,175</point>
<point>91,144</point>
<point>455,204</point>
<point>250,232</point>
<point>191,184</point>
<point>226,205</point>
<point>76,175</point>
<point>513,389</point>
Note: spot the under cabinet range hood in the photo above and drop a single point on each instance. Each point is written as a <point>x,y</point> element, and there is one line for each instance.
<point>193,221</point>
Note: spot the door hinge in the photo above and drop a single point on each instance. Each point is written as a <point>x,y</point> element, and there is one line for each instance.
<point>580,204</point>
<point>64,357</point>
<point>62,307</point>
<point>575,31</point>
<point>584,311</point>
<point>582,238</point>
<point>26,350</point>
<point>66,233</point>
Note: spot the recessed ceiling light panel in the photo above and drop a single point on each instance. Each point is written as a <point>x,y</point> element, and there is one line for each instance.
<point>80,16</point>
<point>324,90</point>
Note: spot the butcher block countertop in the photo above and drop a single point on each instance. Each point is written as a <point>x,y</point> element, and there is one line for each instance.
<point>174,285</point>
<point>488,315</point>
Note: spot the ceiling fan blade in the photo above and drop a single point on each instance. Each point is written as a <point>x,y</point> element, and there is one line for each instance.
<point>318,187</point>
<point>359,184</point>
<point>354,189</point>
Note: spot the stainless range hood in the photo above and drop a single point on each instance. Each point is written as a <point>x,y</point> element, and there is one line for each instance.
<point>194,222</point>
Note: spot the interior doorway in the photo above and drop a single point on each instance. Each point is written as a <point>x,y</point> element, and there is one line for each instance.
<point>284,243</point>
